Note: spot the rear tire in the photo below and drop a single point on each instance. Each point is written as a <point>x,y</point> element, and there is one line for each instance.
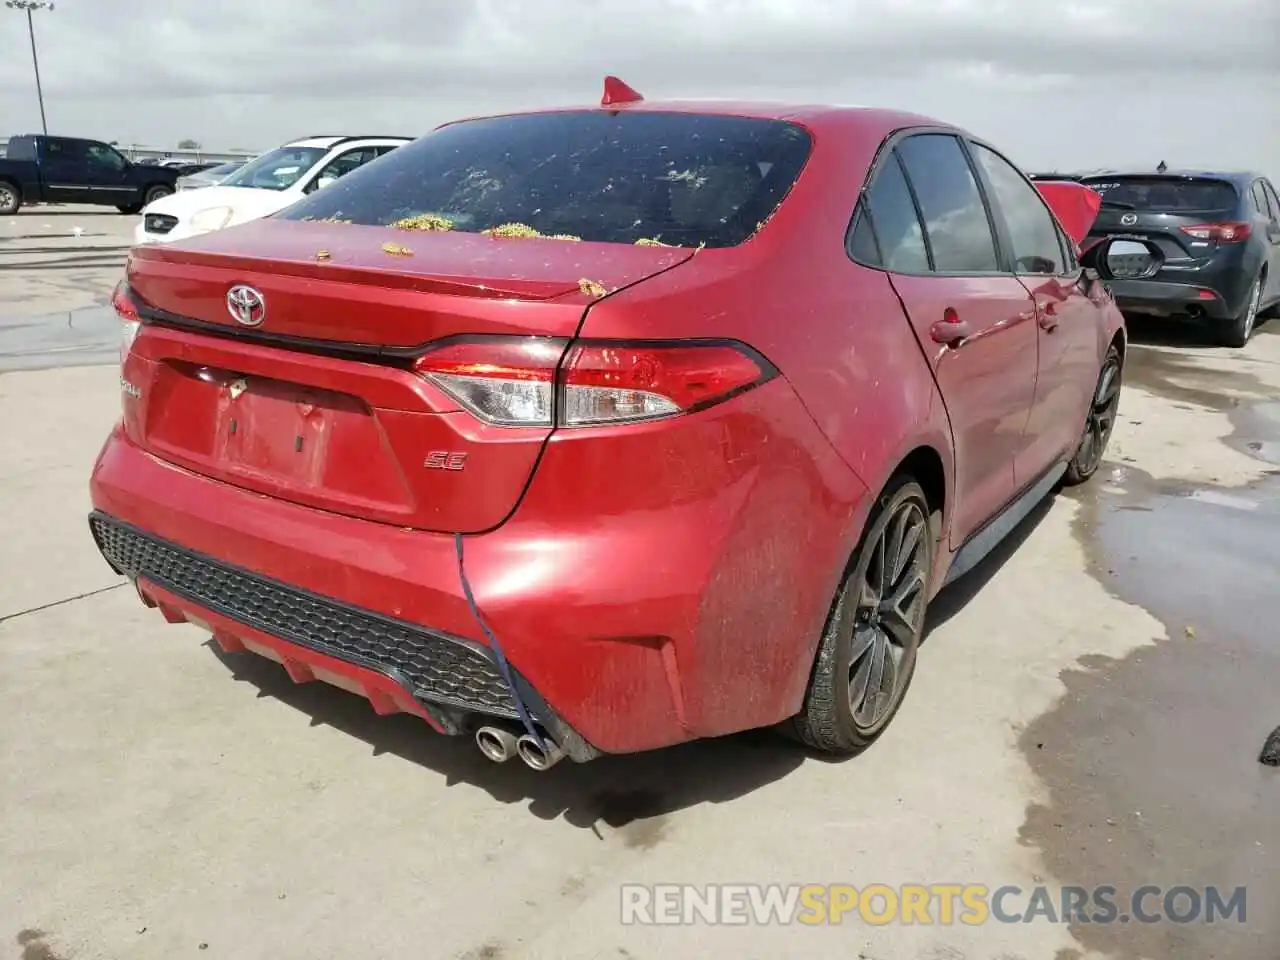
<point>1099,422</point>
<point>158,192</point>
<point>130,208</point>
<point>867,655</point>
<point>10,198</point>
<point>1237,331</point>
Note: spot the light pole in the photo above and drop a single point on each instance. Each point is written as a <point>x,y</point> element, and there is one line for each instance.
<point>29,6</point>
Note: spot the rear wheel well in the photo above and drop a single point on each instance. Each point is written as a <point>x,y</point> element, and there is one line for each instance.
<point>1118,342</point>
<point>924,465</point>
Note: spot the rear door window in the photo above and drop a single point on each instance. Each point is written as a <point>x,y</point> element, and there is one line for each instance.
<point>1033,232</point>
<point>1166,194</point>
<point>647,177</point>
<point>1272,201</point>
<point>896,225</point>
<point>955,218</point>
<point>1260,199</point>
<point>341,165</point>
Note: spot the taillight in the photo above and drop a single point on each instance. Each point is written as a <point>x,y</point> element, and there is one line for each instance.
<point>127,311</point>
<point>614,383</point>
<point>1233,232</point>
<point>508,382</point>
<point>525,382</point>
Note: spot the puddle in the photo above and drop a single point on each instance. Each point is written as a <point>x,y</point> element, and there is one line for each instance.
<point>1151,761</point>
<point>1257,430</point>
<point>1178,377</point>
<point>75,339</point>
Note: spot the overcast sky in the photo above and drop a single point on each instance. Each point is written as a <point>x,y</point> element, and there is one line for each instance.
<point>1057,84</point>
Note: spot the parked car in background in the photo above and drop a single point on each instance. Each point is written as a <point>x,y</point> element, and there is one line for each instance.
<point>207,177</point>
<point>603,429</point>
<point>1204,244</point>
<point>262,186</point>
<point>40,169</point>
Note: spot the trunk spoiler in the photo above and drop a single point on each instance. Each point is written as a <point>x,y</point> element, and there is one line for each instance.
<point>1074,204</point>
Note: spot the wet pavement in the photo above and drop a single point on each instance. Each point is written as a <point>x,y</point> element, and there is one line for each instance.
<point>1151,760</point>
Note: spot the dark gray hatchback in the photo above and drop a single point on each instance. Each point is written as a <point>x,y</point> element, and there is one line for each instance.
<point>1201,244</point>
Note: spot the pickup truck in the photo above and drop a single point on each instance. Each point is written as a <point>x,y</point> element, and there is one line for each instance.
<point>39,169</point>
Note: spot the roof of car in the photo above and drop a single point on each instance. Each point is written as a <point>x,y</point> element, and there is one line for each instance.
<point>808,114</point>
<point>329,142</point>
<point>1233,176</point>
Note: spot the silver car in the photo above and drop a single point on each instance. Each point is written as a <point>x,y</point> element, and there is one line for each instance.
<point>207,178</point>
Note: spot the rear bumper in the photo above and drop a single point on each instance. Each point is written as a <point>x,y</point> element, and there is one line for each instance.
<point>1167,299</point>
<point>630,624</point>
<point>1219,288</point>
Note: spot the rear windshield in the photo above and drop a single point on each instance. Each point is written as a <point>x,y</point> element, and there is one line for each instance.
<point>671,178</point>
<point>1166,194</point>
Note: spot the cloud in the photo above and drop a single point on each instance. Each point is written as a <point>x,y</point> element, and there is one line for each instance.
<point>254,72</point>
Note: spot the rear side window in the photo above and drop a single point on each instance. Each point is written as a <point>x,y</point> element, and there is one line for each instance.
<point>21,148</point>
<point>673,178</point>
<point>1166,194</point>
<point>955,217</point>
<point>897,227</point>
<point>862,240</point>
<point>1260,199</point>
<point>1272,201</point>
<point>1033,232</point>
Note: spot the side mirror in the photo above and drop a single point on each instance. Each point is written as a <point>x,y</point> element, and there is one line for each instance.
<point>324,182</point>
<point>1122,258</point>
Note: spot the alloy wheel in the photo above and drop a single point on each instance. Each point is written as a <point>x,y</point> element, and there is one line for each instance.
<point>1102,418</point>
<point>889,617</point>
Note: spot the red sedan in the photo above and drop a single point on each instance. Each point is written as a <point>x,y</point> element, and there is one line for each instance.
<point>598,430</point>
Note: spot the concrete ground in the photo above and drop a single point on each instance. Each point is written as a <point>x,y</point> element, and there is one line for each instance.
<point>1088,710</point>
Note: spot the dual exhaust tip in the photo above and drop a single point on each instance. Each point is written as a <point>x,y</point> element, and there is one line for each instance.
<point>500,744</point>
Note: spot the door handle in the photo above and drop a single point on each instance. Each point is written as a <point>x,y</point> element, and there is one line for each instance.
<point>950,330</point>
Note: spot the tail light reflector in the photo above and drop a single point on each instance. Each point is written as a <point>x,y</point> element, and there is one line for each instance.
<point>1233,232</point>
<point>537,382</point>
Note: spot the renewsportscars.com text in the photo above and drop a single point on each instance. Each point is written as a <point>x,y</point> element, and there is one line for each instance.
<point>925,904</point>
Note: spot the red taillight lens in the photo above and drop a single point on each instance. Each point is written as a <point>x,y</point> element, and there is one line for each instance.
<point>614,383</point>
<point>127,311</point>
<point>515,382</point>
<point>1219,232</point>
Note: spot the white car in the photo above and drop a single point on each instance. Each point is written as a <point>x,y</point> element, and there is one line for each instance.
<point>263,186</point>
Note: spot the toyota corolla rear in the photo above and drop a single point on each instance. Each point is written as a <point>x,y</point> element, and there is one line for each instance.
<point>382,438</point>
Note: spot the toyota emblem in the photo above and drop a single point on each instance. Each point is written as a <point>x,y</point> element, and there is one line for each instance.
<point>1129,219</point>
<point>246,305</point>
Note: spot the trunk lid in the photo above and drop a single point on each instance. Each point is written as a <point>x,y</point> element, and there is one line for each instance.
<point>318,403</point>
<point>1075,206</point>
<point>1155,209</point>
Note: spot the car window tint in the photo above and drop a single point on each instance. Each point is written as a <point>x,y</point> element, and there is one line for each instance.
<point>955,218</point>
<point>104,157</point>
<point>862,240</point>
<point>343,164</point>
<point>683,179</point>
<point>1033,232</point>
<point>897,227</point>
<point>68,149</point>
<point>1272,200</point>
<point>1260,199</point>
<point>1166,194</point>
